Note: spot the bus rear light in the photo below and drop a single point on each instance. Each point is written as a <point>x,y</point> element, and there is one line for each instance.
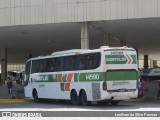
<point>104,85</point>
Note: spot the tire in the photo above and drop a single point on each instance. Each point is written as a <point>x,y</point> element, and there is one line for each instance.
<point>114,103</point>
<point>74,98</point>
<point>83,98</point>
<point>35,96</point>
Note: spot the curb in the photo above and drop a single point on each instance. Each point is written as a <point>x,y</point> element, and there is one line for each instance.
<point>142,99</point>
<point>135,99</point>
<point>15,100</point>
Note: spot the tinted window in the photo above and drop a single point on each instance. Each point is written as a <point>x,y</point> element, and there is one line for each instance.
<point>42,65</point>
<point>51,65</point>
<point>67,63</point>
<point>80,62</point>
<point>39,66</point>
<point>58,64</point>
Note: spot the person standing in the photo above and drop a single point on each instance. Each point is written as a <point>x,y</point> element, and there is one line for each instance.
<point>143,87</point>
<point>10,87</point>
<point>13,87</point>
<point>139,88</point>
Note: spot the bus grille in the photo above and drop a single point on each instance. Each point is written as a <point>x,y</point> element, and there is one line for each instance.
<point>96,91</point>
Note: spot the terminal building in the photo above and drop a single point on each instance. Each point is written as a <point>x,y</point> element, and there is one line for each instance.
<point>29,28</point>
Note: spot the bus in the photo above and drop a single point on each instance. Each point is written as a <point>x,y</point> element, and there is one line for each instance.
<point>104,75</point>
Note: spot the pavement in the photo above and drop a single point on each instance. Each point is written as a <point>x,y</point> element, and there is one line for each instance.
<point>15,100</point>
<point>31,100</point>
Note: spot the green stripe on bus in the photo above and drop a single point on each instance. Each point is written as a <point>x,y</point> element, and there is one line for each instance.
<point>76,77</point>
<point>52,78</point>
<point>62,86</point>
<point>64,77</point>
<point>90,77</point>
<point>121,75</point>
<point>134,57</point>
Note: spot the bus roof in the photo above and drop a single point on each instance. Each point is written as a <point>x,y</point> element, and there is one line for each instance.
<point>79,51</point>
<point>69,51</point>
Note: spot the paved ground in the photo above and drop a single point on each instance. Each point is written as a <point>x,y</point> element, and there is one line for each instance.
<point>145,105</point>
<point>28,105</point>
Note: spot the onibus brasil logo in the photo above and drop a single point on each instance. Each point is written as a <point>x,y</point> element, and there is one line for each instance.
<point>120,59</point>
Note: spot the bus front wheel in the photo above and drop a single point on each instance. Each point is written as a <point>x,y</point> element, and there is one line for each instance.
<point>74,98</point>
<point>35,96</point>
<point>83,98</point>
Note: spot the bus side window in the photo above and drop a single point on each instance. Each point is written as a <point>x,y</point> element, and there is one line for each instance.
<point>34,66</point>
<point>80,62</point>
<point>42,65</point>
<point>81,65</point>
<point>69,63</point>
<point>50,65</point>
<point>89,61</point>
<point>53,65</point>
<point>96,60</point>
<point>58,66</point>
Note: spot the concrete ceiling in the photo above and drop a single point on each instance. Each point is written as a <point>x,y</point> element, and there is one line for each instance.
<point>143,34</point>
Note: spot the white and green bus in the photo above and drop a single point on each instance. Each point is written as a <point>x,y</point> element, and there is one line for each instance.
<point>105,75</point>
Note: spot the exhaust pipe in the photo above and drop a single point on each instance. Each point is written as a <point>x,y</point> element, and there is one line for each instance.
<point>112,98</point>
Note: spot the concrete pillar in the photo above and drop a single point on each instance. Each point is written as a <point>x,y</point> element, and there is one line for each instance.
<point>84,35</point>
<point>3,65</point>
<point>146,61</point>
<point>153,63</point>
<point>106,41</point>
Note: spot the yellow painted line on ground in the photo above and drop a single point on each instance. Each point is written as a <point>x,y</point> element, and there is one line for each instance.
<point>135,99</point>
<point>142,99</point>
<point>15,100</point>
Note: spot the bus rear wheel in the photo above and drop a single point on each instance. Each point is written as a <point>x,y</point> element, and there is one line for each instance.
<point>83,98</point>
<point>35,96</point>
<point>74,98</point>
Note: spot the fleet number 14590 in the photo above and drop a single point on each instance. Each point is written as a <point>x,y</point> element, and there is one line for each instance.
<point>92,77</point>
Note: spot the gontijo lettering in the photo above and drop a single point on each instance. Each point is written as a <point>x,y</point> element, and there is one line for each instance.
<point>41,78</point>
<point>116,59</point>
